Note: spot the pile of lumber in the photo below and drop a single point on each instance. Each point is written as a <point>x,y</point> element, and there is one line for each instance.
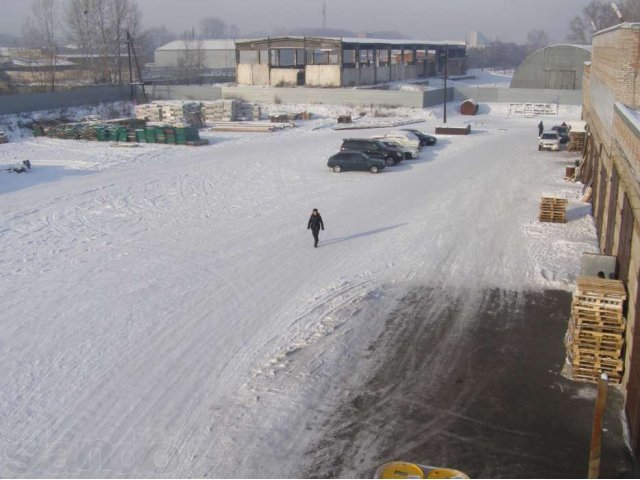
<point>135,132</point>
<point>256,126</point>
<point>284,117</point>
<point>177,111</point>
<point>553,209</point>
<point>149,111</point>
<point>250,111</point>
<point>595,337</point>
<point>221,110</point>
<point>576,141</point>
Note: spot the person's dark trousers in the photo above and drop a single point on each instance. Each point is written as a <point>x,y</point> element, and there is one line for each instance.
<point>315,232</point>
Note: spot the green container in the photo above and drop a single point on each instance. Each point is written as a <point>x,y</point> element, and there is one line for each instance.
<point>101,134</point>
<point>150,134</point>
<point>140,135</point>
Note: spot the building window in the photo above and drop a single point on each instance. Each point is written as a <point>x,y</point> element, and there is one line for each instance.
<point>349,57</point>
<point>325,57</point>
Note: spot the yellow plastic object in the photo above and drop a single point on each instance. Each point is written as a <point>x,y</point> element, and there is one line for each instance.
<point>413,470</point>
<point>399,470</point>
<point>445,473</point>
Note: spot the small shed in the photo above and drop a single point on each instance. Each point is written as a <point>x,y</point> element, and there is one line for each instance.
<point>469,107</point>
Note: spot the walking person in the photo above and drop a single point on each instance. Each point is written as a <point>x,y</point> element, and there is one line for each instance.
<point>315,224</point>
<point>540,128</point>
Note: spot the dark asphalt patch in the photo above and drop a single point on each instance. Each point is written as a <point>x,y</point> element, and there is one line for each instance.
<point>474,386</point>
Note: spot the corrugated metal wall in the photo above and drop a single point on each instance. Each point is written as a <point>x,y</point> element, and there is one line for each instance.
<point>32,102</point>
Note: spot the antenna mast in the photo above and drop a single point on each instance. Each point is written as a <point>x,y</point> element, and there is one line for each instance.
<point>324,15</point>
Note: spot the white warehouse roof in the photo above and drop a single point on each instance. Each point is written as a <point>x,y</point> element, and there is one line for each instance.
<point>206,45</point>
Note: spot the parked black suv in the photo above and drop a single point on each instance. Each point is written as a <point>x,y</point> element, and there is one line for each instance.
<point>563,133</point>
<point>353,160</point>
<point>425,140</point>
<point>373,148</point>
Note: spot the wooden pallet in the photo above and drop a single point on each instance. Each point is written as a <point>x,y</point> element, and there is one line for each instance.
<point>594,376</point>
<point>601,287</point>
<point>553,210</point>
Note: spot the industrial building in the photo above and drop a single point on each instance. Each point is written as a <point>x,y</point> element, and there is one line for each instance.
<point>611,166</point>
<point>343,62</point>
<point>556,67</point>
<point>216,54</point>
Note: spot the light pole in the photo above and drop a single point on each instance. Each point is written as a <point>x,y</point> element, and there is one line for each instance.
<point>446,61</point>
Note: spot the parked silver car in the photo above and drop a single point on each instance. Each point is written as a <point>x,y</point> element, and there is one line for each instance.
<point>549,141</point>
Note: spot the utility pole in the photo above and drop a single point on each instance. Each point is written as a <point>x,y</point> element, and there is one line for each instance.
<point>324,15</point>
<point>595,451</point>
<point>446,61</point>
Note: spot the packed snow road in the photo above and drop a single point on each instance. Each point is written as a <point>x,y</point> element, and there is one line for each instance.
<point>164,312</point>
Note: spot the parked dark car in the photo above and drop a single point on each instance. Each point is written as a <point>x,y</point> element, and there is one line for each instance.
<point>354,160</point>
<point>373,148</point>
<point>563,133</point>
<point>398,148</point>
<point>425,140</point>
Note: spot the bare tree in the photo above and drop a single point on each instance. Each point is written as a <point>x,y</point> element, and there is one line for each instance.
<point>125,16</point>
<point>154,38</point>
<point>99,28</point>
<point>214,27</point>
<point>598,15</point>
<point>41,34</point>
<point>192,59</point>
<point>537,39</point>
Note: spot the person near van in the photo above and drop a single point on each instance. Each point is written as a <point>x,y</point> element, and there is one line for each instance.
<point>540,128</point>
<point>315,224</point>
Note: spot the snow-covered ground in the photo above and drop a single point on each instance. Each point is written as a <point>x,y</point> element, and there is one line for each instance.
<point>164,312</point>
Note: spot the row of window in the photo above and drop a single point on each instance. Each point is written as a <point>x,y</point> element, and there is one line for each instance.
<point>299,57</point>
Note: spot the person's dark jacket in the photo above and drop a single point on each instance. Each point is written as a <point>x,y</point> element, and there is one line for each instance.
<point>315,222</point>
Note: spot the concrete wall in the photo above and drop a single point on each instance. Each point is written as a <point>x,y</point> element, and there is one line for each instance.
<point>340,96</point>
<point>322,75</point>
<point>330,96</point>
<point>183,92</point>
<point>284,77</point>
<point>31,102</point>
<point>436,97</point>
<point>253,74</point>
<point>556,67</point>
<point>519,95</point>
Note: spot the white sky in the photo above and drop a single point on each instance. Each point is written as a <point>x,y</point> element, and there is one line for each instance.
<point>508,20</point>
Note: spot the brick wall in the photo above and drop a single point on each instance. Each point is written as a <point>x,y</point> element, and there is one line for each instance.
<point>611,87</point>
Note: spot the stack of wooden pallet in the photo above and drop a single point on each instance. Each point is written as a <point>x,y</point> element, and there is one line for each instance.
<point>576,141</point>
<point>249,111</point>
<point>595,337</point>
<point>149,111</point>
<point>221,110</point>
<point>553,209</point>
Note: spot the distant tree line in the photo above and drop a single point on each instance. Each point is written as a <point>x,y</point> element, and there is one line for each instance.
<point>98,29</point>
<point>506,55</point>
